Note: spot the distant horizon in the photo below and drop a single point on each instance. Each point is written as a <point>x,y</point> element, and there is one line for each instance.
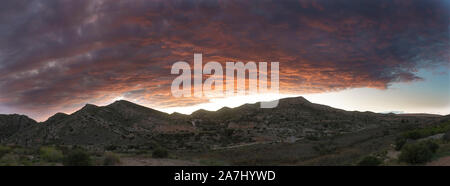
<point>214,110</point>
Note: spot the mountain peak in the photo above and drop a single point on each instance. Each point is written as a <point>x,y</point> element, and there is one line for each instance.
<point>57,117</point>
<point>200,112</point>
<point>122,102</point>
<point>87,108</point>
<point>299,99</point>
<point>15,117</point>
<point>130,107</point>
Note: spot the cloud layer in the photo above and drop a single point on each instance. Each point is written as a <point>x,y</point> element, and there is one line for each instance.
<point>60,54</point>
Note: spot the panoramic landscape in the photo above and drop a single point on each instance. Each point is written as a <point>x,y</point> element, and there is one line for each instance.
<point>224,83</point>
<point>297,132</point>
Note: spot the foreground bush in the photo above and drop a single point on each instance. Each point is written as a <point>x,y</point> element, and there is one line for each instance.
<point>9,160</point>
<point>160,153</point>
<point>399,142</point>
<point>370,161</point>
<point>77,157</point>
<point>4,150</point>
<point>418,153</point>
<point>50,154</point>
<point>433,146</point>
<point>111,159</point>
<point>446,137</point>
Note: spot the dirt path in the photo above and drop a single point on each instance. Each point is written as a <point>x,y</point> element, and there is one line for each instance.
<point>444,161</point>
<point>141,161</point>
<point>244,145</point>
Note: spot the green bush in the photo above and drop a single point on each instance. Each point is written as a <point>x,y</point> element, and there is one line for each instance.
<point>418,153</point>
<point>50,154</point>
<point>415,134</point>
<point>160,153</point>
<point>370,161</point>
<point>433,146</point>
<point>111,147</point>
<point>77,157</point>
<point>111,159</point>
<point>4,150</point>
<point>9,160</point>
<point>427,131</point>
<point>399,142</point>
<point>446,137</point>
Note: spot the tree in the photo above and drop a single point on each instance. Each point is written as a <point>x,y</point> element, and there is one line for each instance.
<point>77,157</point>
<point>370,161</point>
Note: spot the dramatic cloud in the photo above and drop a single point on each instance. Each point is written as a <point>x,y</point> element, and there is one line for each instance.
<point>60,54</point>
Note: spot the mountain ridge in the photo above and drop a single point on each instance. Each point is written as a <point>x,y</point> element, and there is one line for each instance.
<point>118,102</point>
<point>123,123</point>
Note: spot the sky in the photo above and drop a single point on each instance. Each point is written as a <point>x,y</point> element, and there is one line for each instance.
<point>380,55</point>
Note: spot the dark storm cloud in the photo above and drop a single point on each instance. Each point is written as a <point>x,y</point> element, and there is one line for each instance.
<point>55,53</point>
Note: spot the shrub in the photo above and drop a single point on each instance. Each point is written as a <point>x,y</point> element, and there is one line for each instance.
<point>427,131</point>
<point>370,161</point>
<point>325,148</point>
<point>160,153</point>
<point>152,145</point>
<point>312,137</point>
<point>446,137</point>
<point>77,157</point>
<point>50,154</point>
<point>9,160</point>
<point>433,146</point>
<point>4,150</point>
<point>399,142</point>
<point>418,153</point>
<point>111,159</point>
<point>111,147</point>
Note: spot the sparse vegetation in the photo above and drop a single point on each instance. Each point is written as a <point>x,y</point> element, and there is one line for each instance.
<point>50,154</point>
<point>111,159</point>
<point>427,131</point>
<point>418,153</point>
<point>312,137</point>
<point>212,162</point>
<point>4,150</point>
<point>111,147</point>
<point>432,145</point>
<point>295,133</point>
<point>399,142</point>
<point>415,134</point>
<point>325,148</point>
<point>160,152</point>
<point>77,157</point>
<point>446,137</point>
<point>9,160</point>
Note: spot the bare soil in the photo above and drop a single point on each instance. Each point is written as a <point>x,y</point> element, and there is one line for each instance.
<point>142,161</point>
<point>444,161</point>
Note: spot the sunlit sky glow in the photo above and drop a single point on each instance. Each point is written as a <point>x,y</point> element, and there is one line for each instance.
<point>381,56</point>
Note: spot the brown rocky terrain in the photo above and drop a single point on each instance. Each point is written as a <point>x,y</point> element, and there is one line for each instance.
<point>266,136</point>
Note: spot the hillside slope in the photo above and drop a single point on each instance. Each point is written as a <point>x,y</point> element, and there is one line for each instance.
<point>124,124</point>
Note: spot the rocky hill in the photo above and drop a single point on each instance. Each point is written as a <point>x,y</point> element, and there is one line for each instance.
<point>13,124</point>
<point>120,123</point>
<point>123,124</point>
